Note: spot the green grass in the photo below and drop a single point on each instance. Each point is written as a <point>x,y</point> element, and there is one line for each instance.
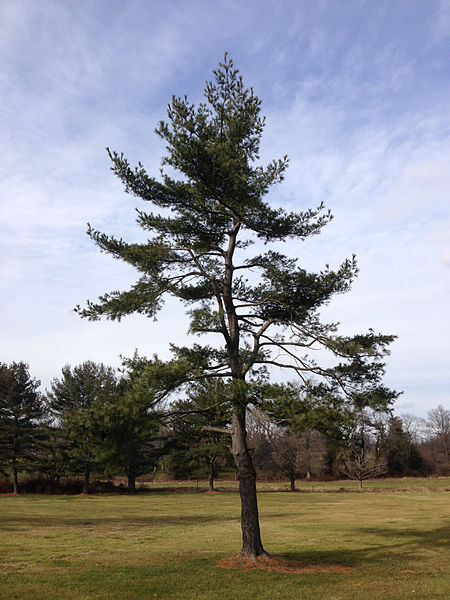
<point>424,484</point>
<point>166,545</point>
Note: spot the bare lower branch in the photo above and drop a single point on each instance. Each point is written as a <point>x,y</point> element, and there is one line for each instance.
<point>217,429</point>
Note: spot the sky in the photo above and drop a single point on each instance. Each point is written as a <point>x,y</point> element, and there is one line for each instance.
<point>356,92</point>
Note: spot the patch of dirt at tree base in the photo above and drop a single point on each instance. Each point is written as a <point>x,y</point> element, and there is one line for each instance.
<point>279,565</point>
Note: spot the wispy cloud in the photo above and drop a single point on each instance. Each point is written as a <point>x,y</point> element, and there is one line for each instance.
<point>358,102</point>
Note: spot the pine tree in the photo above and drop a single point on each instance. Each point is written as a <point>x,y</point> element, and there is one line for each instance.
<point>402,454</point>
<point>21,415</point>
<point>80,401</point>
<point>264,307</point>
<point>198,424</point>
<point>136,421</point>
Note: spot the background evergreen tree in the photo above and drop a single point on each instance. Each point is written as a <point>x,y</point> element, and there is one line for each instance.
<point>402,454</point>
<point>136,420</point>
<point>200,427</point>
<point>262,306</point>
<point>54,455</point>
<point>21,415</point>
<point>80,401</point>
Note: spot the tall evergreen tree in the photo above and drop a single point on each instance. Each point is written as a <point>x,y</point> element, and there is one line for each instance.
<point>80,401</point>
<point>402,454</point>
<point>136,420</point>
<point>21,415</point>
<point>263,307</point>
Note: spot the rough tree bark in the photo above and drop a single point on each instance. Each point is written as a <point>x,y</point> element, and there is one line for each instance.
<point>211,476</point>
<point>245,471</point>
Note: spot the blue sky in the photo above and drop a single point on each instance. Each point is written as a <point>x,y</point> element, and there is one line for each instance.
<point>355,92</point>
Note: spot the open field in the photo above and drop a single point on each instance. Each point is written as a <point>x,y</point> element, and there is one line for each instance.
<point>389,545</point>
<point>424,484</point>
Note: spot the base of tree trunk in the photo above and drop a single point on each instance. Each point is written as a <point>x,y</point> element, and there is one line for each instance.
<point>280,565</point>
<point>253,556</point>
<point>252,546</point>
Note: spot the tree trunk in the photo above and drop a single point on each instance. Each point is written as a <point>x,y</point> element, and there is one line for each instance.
<point>360,484</point>
<point>15,481</point>
<point>292,480</point>
<point>131,482</point>
<point>86,482</point>
<point>245,471</point>
<point>251,537</point>
<point>211,477</point>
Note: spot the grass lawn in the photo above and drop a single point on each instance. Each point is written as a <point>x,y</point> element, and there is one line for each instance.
<point>424,484</point>
<point>392,545</point>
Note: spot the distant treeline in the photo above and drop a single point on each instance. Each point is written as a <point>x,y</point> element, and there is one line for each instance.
<point>95,421</point>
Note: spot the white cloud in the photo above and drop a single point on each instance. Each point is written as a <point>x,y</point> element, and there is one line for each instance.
<point>78,77</point>
<point>387,183</point>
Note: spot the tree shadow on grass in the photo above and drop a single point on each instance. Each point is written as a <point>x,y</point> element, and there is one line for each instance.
<point>12,522</point>
<point>406,543</point>
<point>438,537</point>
